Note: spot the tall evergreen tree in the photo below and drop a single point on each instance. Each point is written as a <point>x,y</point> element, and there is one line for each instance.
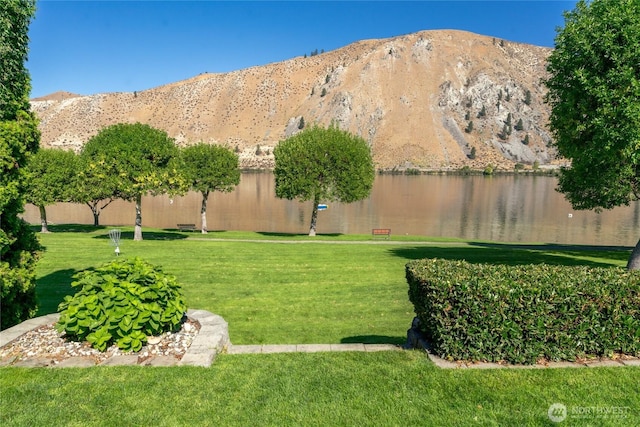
<point>519,126</point>
<point>19,140</point>
<point>469,127</point>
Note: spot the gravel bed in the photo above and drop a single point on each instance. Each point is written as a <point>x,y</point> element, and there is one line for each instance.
<point>46,343</point>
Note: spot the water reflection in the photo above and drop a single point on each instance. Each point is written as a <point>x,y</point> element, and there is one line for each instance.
<point>500,208</point>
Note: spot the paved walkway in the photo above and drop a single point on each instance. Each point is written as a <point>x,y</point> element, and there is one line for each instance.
<point>439,362</point>
<point>308,348</point>
<point>213,339</point>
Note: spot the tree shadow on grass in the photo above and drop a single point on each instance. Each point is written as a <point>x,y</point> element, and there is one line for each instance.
<point>272,234</point>
<point>70,228</point>
<point>607,253</point>
<point>52,288</point>
<point>373,339</point>
<point>147,235</point>
<point>515,254</point>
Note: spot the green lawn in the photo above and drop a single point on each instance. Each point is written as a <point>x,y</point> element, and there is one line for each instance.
<point>325,389</point>
<point>278,292</point>
<point>309,292</point>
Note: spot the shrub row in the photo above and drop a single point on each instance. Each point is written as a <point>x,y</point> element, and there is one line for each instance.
<point>519,314</point>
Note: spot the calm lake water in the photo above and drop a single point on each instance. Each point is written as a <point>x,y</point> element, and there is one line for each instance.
<point>499,208</point>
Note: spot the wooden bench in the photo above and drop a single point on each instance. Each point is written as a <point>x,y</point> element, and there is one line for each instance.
<point>187,227</point>
<point>381,232</point>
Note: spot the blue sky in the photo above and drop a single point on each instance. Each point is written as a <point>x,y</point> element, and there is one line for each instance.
<point>93,46</point>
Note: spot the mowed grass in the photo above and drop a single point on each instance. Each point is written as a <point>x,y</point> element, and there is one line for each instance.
<point>333,289</point>
<point>287,290</point>
<point>317,389</point>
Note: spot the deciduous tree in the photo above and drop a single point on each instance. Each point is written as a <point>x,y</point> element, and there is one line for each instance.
<point>594,93</point>
<point>95,185</point>
<point>209,168</point>
<point>321,164</point>
<point>50,174</point>
<point>139,156</point>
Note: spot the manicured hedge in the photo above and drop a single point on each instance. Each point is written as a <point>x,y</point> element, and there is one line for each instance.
<point>519,314</point>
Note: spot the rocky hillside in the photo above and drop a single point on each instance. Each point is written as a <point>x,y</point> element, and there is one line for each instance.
<point>431,100</point>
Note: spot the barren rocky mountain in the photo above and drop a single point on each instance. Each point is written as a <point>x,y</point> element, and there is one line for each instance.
<point>411,97</point>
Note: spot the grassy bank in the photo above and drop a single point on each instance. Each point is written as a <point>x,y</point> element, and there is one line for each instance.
<point>334,289</point>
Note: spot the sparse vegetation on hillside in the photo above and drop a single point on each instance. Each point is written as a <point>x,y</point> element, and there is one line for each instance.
<point>255,105</point>
<point>469,127</point>
<point>519,126</point>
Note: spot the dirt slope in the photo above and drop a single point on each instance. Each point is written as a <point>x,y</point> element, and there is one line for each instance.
<point>411,97</point>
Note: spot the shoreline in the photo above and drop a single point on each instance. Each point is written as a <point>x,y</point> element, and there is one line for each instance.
<point>464,171</point>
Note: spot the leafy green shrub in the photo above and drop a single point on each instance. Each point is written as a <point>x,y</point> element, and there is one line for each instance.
<point>123,301</point>
<point>412,171</point>
<point>465,170</point>
<point>520,314</point>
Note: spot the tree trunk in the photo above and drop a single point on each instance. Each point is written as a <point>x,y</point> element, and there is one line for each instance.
<point>203,211</point>
<point>314,217</point>
<point>137,234</point>
<point>95,212</point>
<point>44,227</point>
<point>634,259</point>
<point>96,209</point>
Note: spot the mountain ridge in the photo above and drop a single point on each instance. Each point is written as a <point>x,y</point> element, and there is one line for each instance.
<point>411,97</point>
